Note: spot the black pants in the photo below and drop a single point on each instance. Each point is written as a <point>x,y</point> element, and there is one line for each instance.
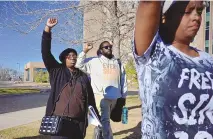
<point>76,133</point>
<point>73,137</point>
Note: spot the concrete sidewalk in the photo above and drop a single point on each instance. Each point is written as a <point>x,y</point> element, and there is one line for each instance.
<point>17,118</point>
<point>22,117</point>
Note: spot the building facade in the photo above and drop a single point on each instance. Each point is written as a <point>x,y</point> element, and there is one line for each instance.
<point>204,38</point>
<point>31,68</point>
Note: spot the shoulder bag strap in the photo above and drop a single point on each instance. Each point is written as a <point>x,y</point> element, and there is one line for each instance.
<point>60,94</point>
<point>119,63</point>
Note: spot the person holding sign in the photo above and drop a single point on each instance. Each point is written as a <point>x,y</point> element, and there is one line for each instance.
<point>175,79</point>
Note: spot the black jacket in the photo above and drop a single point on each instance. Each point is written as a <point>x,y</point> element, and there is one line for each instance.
<point>59,76</point>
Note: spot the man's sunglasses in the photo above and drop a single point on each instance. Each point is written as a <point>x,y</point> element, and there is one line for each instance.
<point>107,47</point>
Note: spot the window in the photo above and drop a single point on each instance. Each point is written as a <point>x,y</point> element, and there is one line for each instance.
<point>40,69</point>
<point>208,7</point>
<point>207,16</point>
<point>28,75</point>
<point>207,49</point>
<point>212,48</point>
<point>207,46</point>
<point>207,35</point>
<point>207,24</point>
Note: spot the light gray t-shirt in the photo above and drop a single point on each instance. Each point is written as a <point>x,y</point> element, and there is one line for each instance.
<point>176,92</point>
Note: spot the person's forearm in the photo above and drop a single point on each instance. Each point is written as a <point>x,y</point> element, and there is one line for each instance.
<point>81,62</point>
<point>47,29</point>
<point>47,56</point>
<point>85,51</point>
<point>146,25</point>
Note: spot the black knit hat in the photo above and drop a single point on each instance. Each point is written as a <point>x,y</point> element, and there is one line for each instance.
<point>65,53</point>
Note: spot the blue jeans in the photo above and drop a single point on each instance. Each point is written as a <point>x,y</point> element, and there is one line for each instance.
<point>106,106</point>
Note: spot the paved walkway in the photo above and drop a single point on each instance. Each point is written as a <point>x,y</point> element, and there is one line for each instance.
<point>12,119</point>
<point>13,103</point>
<point>17,118</point>
<point>5,84</point>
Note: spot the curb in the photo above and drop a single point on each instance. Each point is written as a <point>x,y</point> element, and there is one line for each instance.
<point>23,94</point>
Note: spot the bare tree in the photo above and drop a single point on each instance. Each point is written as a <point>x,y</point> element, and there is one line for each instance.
<point>7,73</point>
<point>112,21</point>
<point>25,17</point>
<point>101,20</point>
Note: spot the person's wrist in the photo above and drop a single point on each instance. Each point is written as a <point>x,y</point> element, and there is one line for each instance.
<point>85,51</point>
<point>47,29</point>
<point>48,26</point>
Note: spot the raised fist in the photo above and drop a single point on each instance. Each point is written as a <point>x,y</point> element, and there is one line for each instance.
<point>51,22</point>
<point>87,47</point>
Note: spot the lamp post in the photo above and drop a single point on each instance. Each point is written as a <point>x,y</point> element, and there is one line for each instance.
<point>18,67</point>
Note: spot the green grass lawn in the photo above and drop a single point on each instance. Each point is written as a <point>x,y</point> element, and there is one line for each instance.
<point>17,90</point>
<point>121,131</point>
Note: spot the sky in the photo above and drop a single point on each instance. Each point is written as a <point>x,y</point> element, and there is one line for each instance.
<point>17,48</point>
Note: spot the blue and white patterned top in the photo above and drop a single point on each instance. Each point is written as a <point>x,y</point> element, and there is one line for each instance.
<point>176,92</point>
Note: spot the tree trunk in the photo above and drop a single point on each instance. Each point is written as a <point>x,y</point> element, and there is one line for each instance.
<point>116,34</point>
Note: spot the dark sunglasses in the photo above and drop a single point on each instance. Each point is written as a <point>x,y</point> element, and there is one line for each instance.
<point>107,47</point>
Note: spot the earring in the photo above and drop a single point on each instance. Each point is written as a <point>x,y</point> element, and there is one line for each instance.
<point>163,19</point>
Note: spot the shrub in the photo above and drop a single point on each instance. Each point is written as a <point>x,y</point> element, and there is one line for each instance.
<point>41,76</point>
